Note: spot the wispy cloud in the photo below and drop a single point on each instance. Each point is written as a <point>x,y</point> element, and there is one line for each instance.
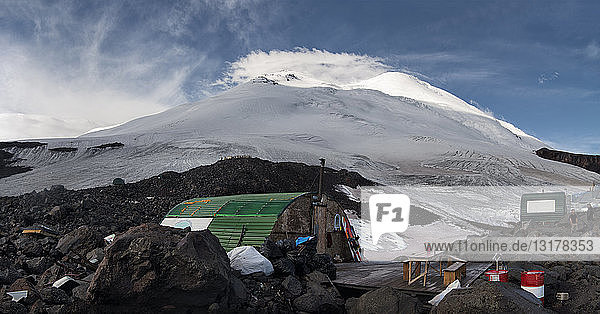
<point>580,145</point>
<point>592,50</point>
<point>73,73</point>
<point>547,77</point>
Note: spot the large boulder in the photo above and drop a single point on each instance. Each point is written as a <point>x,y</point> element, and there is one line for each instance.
<point>490,297</point>
<point>385,300</point>
<point>152,266</point>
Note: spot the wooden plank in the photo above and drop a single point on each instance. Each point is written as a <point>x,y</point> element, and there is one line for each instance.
<point>370,276</point>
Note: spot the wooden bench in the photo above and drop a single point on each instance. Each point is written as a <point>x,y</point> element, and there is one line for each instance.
<point>453,272</point>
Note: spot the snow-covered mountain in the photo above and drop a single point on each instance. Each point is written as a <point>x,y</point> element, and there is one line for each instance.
<point>392,128</point>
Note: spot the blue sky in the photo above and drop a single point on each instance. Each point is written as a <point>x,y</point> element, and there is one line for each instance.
<point>68,66</point>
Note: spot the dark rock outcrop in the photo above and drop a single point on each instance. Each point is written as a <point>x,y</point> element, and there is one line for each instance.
<point>109,145</point>
<point>588,162</point>
<point>63,149</point>
<point>151,266</point>
<point>7,158</point>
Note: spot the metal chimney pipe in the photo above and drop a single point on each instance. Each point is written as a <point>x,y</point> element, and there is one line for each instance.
<point>321,178</point>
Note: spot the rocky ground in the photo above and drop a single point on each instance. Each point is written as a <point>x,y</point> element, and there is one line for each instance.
<point>146,259</point>
<point>152,268</point>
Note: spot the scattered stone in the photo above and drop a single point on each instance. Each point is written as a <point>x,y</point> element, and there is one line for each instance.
<point>38,265</point>
<point>318,299</point>
<point>80,292</point>
<point>238,293</point>
<point>286,245</point>
<point>214,308</point>
<point>324,264</point>
<point>29,246</point>
<point>57,188</point>
<point>56,212</point>
<point>80,240</point>
<point>95,256</point>
<point>52,295</point>
<point>284,267</point>
<point>293,286</point>
<point>24,284</point>
<point>52,274</point>
<point>270,250</point>
<point>12,308</point>
<point>8,276</point>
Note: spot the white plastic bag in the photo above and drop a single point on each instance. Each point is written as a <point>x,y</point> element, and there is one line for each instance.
<point>248,260</point>
<point>438,298</point>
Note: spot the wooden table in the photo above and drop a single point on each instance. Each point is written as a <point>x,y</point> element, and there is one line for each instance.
<point>425,258</point>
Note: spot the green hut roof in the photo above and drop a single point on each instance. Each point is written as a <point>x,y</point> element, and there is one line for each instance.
<point>254,215</point>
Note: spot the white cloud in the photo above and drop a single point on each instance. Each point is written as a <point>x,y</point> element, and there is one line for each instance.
<point>322,65</point>
<point>63,81</point>
<point>592,50</point>
<point>16,126</point>
<point>29,88</point>
<point>547,77</point>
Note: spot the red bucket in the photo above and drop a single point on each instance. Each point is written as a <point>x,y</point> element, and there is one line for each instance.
<point>533,282</point>
<point>497,275</point>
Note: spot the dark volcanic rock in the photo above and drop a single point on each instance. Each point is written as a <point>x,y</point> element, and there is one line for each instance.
<point>52,274</point>
<point>151,266</point>
<point>324,264</point>
<point>25,284</point>
<point>8,275</point>
<point>12,307</point>
<point>63,149</point>
<point>284,267</point>
<point>490,297</point>
<point>588,162</point>
<point>320,296</point>
<point>385,300</point>
<point>21,144</point>
<point>6,158</point>
<point>38,265</point>
<point>292,285</point>
<point>53,295</point>
<point>109,145</point>
<point>29,246</point>
<point>270,250</point>
<point>80,241</point>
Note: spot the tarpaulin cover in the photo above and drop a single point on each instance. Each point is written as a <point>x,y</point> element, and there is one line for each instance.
<point>248,260</point>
